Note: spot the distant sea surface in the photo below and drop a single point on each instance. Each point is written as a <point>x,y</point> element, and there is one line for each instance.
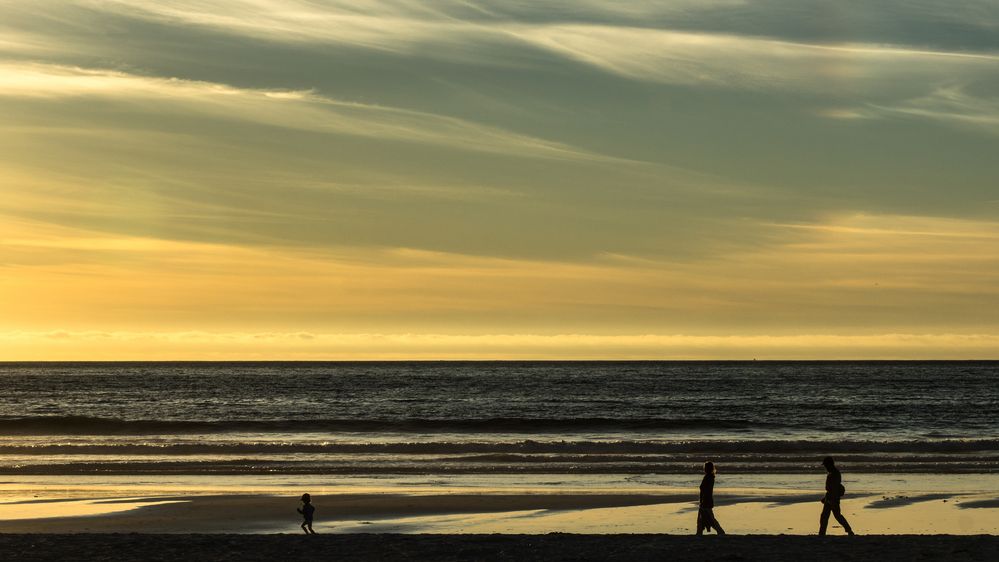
<point>430,418</point>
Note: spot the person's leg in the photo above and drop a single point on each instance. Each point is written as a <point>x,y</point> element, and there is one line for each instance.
<point>824,518</point>
<point>714,523</point>
<point>702,522</point>
<point>304,523</point>
<point>842,520</point>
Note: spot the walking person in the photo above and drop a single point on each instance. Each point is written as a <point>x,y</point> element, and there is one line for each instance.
<point>705,513</point>
<point>830,503</point>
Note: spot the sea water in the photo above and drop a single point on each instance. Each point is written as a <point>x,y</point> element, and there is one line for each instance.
<point>464,420</point>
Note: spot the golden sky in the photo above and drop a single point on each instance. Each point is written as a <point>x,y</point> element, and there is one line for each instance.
<point>265,179</point>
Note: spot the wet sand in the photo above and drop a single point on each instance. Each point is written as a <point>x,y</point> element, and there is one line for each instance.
<point>745,513</point>
<point>109,547</point>
<point>256,513</point>
<point>496,526</point>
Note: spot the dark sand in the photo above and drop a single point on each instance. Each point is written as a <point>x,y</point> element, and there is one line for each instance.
<point>493,547</point>
<point>267,514</point>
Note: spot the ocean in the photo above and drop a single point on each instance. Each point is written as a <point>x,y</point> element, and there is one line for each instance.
<point>522,420</point>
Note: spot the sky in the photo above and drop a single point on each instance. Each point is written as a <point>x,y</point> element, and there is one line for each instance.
<point>450,179</point>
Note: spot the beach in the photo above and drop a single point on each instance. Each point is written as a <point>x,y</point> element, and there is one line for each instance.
<point>751,512</point>
<point>505,461</point>
<point>499,280</point>
<point>495,526</point>
<point>514,527</point>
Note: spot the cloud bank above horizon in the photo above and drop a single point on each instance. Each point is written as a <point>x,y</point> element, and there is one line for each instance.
<point>819,174</point>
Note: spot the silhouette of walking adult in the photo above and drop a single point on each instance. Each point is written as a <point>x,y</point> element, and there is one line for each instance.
<point>705,513</point>
<point>830,503</point>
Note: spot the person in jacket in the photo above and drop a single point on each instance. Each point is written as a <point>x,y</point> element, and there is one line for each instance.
<point>705,513</point>
<point>830,503</point>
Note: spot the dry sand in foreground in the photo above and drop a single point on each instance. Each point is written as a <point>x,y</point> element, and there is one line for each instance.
<point>551,547</point>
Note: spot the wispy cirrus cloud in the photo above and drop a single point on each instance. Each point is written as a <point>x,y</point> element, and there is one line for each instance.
<point>862,272</point>
<point>607,37</point>
<point>612,168</point>
<point>613,37</point>
<point>302,110</point>
<point>756,63</point>
<point>951,105</point>
<point>900,21</point>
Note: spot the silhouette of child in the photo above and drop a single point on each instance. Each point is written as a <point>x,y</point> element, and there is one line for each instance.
<point>307,510</point>
<point>705,513</point>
